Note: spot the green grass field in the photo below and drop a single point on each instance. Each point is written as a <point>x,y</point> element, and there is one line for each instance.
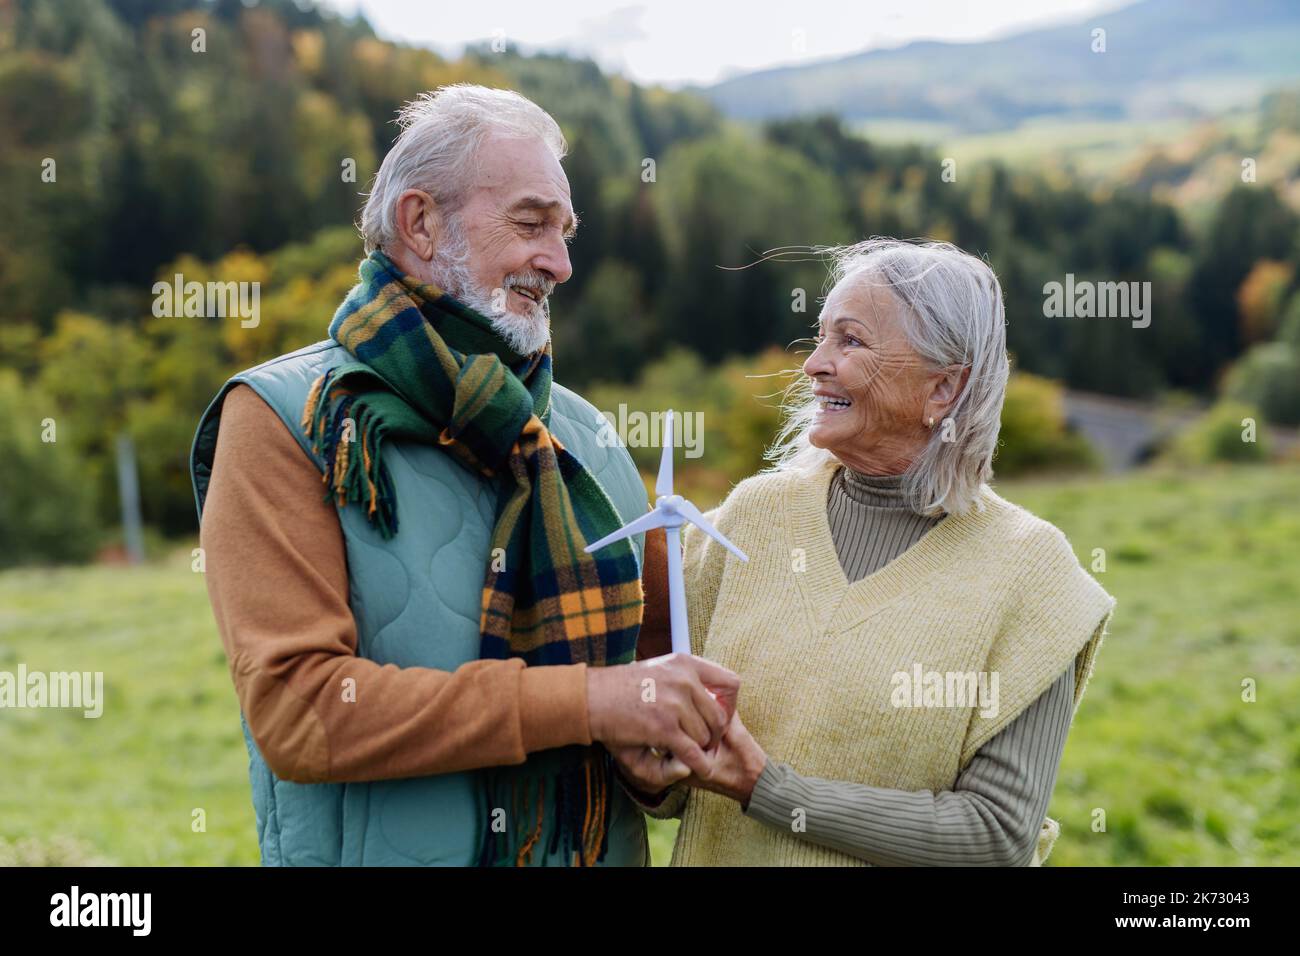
<point>1205,570</point>
<point>1094,148</point>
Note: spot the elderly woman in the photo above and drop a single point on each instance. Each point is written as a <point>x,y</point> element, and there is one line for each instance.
<point>912,647</point>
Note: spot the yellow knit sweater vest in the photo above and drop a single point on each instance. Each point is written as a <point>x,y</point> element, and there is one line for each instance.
<point>872,681</point>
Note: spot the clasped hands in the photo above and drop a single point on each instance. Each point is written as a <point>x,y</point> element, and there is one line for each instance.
<point>672,719</point>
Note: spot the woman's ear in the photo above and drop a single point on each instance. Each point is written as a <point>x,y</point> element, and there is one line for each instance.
<point>945,388</point>
<point>418,223</point>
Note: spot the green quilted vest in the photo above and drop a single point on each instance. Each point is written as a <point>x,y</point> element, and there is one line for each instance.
<point>416,603</point>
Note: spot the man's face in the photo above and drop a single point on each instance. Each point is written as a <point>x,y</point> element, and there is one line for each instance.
<point>509,241</point>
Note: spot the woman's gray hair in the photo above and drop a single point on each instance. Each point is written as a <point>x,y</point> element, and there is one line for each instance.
<point>953,315</point>
<point>437,149</point>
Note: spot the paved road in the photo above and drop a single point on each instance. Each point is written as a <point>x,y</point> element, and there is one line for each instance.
<point>1125,432</point>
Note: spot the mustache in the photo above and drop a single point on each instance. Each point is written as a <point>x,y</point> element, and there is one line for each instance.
<point>534,281</point>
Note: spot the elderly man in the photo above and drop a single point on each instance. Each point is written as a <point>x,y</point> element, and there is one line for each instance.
<point>430,669</point>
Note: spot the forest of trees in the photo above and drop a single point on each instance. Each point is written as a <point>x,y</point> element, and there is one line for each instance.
<point>232,162</point>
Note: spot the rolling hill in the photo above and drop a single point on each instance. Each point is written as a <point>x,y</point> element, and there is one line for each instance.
<point>1163,59</point>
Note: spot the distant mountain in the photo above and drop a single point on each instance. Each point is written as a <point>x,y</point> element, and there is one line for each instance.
<point>1163,58</point>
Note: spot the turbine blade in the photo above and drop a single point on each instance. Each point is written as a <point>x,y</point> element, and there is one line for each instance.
<point>664,483</point>
<point>651,519</point>
<point>692,514</point>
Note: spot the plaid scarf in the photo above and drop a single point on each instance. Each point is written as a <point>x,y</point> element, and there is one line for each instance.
<point>426,368</point>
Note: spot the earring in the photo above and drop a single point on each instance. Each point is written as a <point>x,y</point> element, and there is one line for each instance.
<point>931,421</point>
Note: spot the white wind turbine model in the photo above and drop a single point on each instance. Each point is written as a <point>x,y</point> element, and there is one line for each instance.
<point>670,513</point>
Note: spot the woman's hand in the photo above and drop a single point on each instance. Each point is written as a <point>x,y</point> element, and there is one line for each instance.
<point>736,764</point>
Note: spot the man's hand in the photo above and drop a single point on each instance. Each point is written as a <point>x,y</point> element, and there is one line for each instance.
<point>667,703</point>
<point>648,772</point>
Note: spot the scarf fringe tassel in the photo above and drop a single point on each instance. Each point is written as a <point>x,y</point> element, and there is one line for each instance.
<point>577,813</point>
<point>351,455</point>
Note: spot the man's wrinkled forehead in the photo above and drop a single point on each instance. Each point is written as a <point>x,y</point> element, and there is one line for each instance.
<point>523,173</point>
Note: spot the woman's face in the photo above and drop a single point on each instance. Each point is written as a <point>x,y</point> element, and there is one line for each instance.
<point>872,383</point>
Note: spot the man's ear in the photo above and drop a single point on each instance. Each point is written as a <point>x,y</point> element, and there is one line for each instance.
<point>418,223</point>
<point>946,388</point>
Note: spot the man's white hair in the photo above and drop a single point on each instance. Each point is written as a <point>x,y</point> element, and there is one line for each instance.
<point>437,150</point>
<point>954,316</point>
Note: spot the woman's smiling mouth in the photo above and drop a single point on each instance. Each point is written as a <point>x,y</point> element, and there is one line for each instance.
<point>831,404</point>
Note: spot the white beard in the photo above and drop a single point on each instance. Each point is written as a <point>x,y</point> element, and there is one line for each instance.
<point>524,334</point>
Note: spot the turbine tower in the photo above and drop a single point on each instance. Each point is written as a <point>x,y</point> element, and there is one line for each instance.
<point>670,513</point>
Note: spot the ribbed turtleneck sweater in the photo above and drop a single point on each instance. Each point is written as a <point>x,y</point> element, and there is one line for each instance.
<point>870,521</point>
<point>997,805</point>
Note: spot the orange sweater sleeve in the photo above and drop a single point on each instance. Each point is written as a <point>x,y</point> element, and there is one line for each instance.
<point>276,572</point>
<point>656,633</point>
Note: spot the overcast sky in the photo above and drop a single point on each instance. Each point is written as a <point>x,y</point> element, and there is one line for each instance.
<point>675,42</point>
